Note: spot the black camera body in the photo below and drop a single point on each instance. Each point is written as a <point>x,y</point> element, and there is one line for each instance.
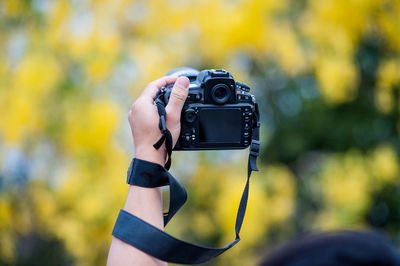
<point>219,113</point>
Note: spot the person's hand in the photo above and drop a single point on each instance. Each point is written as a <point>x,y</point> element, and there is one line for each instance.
<point>144,119</point>
<point>146,203</point>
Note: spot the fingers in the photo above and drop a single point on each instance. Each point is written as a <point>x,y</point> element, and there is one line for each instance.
<point>151,89</point>
<point>178,97</point>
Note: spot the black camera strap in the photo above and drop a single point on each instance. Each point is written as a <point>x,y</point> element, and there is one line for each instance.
<point>152,240</point>
<point>166,134</point>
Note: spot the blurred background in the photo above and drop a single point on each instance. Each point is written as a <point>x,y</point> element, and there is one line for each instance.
<point>326,76</point>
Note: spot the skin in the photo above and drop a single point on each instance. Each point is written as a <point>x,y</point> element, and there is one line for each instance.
<point>146,203</point>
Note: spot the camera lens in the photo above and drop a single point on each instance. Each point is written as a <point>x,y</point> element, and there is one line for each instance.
<point>220,93</point>
<point>190,115</point>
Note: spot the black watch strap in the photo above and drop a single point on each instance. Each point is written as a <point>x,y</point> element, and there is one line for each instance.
<point>146,174</point>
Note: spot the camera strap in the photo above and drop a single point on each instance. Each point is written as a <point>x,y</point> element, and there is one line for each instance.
<point>165,133</point>
<point>156,242</point>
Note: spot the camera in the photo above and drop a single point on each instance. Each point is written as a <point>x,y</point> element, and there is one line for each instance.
<point>219,112</point>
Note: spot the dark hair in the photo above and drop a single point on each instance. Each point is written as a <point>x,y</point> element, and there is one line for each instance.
<point>335,248</point>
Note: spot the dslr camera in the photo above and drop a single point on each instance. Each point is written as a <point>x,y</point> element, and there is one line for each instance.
<point>219,113</point>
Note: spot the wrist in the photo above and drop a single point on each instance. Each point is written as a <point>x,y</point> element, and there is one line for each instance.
<point>150,154</point>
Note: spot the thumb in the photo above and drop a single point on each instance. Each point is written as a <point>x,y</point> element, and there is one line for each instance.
<point>178,97</point>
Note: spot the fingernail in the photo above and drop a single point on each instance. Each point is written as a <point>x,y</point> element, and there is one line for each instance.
<point>182,82</point>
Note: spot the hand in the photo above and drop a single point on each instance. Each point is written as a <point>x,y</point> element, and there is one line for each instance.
<point>144,119</point>
<point>146,203</point>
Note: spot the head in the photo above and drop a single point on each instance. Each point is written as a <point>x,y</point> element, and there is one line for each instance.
<point>335,248</point>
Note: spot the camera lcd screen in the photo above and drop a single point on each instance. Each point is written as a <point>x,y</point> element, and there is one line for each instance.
<point>222,125</point>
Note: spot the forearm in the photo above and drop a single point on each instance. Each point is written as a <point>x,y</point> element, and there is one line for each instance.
<point>145,203</point>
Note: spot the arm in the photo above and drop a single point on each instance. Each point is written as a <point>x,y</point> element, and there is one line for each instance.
<point>146,203</point>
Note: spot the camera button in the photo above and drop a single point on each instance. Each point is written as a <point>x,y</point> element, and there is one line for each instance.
<point>190,116</point>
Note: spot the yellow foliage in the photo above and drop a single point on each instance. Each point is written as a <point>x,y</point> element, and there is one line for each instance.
<point>5,215</point>
<point>384,100</point>
<point>13,7</point>
<point>256,215</point>
<point>37,75</point>
<point>389,80</point>
<point>284,45</point>
<point>388,19</point>
<point>345,183</point>
<point>384,164</point>
<point>72,230</point>
<point>264,209</point>
<point>338,79</point>
<point>347,179</point>
<point>389,73</point>
<point>20,119</point>
<point>21,109</point>
<point>270,202</point>
<point>281,191</point>
<point>45,206</point>
<point>7,247</point>
<point>6,235</point>
<point>91,126</point>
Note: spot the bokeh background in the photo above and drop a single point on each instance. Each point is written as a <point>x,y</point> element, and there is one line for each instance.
<point>326,74</point>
